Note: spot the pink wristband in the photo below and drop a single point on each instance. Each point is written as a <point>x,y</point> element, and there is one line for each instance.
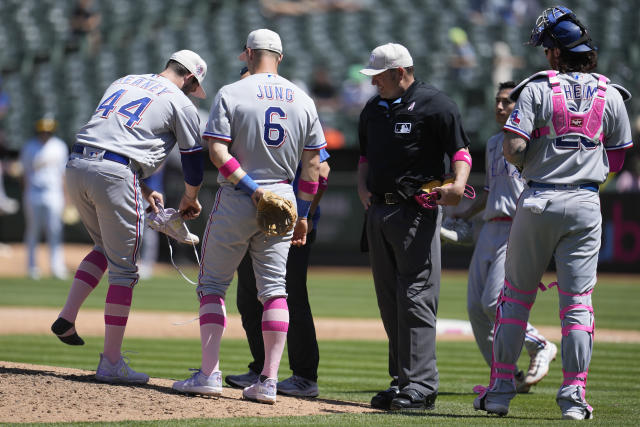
<point>363,159</point>
<point>309,187</point>
<point>323,183</point>
<point>229,167</point>
<point>461,156</point>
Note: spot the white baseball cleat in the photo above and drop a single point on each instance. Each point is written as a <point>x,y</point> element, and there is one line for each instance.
<point>298,386</point>
<point>119,373</point>
<point>577,414</point>
<point>199,383</point>
<point>262,391</point>
<point>539,365</point>
<point>170,222</point>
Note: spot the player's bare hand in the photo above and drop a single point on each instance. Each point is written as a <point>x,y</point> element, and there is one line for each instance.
<point>189,207</point>
<point>154,198</point>
<point>257,195</point>
<point>449,194</point>
<point>300,233</point>
<point>365,197</point>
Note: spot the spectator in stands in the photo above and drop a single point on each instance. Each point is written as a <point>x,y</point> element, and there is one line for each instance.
<point>44,159</point>
<point>463,60</point>
<point>503,63</point>
<point>323,91</point>
<point>85,26</point>
<point>8,206</point>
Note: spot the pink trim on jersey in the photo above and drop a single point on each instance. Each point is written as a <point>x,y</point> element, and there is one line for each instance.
<point>309,187</point>
<point>119,295</point>
<point>229,167</point>
<point>276,303</point>
<point>275,326</point>
<point>616,159</point>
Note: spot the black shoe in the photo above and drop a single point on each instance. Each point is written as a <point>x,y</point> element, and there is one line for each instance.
<point>60,327</point>
<point>413,399</point>
<point>383,399</point>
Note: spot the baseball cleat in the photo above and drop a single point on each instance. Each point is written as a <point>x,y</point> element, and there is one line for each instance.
<point>577,414</point>
<point>60,327</point>
<point>383,399</point>
<point>480,404</point>
<point>242,380</point>
<point>539,365</point>
<point>199,383</point>
<point>170,222</point>
<point>119,373</point>
<point>263,391</point>
<point>298,386</point>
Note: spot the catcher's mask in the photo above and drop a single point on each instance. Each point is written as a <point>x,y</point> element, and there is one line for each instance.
<point>559,27</point>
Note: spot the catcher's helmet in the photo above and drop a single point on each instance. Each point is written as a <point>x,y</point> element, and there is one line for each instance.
<point>559,27</point>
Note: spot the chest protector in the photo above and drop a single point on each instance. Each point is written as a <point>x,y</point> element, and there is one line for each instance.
<point>563,121</point>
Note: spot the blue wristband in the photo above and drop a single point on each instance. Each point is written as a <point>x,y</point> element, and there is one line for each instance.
<point>303,207</point>
<point>247,185</point>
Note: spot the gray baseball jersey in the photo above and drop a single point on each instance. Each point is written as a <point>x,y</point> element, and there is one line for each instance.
<point>567,159</point>
<point>273,121</point>
<point>141,117</point>
<point>559,221</point>
<point>268,122</point>
<point>502,181</point>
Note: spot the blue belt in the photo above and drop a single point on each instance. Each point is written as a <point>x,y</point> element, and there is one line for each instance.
<point>591,186</point>
<point>108,155</point>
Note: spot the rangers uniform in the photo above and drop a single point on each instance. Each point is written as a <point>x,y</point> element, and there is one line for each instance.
<point>503,184</point>
<point>570,120</point>
<point>267,136</point>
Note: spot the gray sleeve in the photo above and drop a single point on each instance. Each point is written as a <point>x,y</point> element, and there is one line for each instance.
<point>522,120</point>
<point>219,124</point>
<point>487,163</point>
<point>315,139</point>
<point>616,126</point>
<point>187,128</point>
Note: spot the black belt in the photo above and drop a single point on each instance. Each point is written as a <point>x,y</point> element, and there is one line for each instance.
<point>591,186</point>
<point>386,198</point>
<point>108,155</point>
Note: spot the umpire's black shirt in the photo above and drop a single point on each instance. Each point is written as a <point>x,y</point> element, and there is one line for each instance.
<point>409,136</point>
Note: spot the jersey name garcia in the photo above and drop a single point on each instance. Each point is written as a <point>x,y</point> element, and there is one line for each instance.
<point>268,122</point>
<point>571,158</point>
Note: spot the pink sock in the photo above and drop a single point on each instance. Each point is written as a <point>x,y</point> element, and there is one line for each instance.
<point>116,314</point>
<point>275,324</point>
<point>213,319</point>
<point>87,277</point>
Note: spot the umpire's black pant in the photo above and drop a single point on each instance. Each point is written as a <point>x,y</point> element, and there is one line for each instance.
<point>302,344</point>
<point>404,250</point>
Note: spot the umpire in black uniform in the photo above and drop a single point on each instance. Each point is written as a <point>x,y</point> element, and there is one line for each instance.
<point>404,134</point>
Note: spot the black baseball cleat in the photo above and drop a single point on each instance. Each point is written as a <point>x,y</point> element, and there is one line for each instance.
<point>383,399</point>
<point>413,399</point>
<point>60,327</point>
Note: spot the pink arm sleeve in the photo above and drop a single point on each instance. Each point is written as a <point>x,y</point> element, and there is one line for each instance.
<point>616,160</point>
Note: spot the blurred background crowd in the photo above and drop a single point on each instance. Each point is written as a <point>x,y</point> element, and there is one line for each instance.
<point>58,56</point>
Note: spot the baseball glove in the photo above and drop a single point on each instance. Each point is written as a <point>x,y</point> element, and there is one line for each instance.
<point>276,215</point>
<point>456,231</point>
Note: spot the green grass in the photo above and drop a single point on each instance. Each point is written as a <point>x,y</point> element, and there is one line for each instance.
<point>339,293</point>
<point>356,370</point>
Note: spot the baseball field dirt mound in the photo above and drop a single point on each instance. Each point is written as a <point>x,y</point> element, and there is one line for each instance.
<point>37,394</point>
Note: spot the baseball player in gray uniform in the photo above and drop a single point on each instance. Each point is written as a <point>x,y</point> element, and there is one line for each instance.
<point>503,185</point>
<point>568,130</point>
<point>259,129</point>
<point>136,124</point>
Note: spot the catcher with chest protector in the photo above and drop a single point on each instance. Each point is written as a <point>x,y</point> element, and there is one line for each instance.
<point>259,129</point>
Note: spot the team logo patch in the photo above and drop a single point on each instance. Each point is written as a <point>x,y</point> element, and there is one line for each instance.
<point>199,69</point>
<point>576,122</point>
<point>514,117</point>
<point>403,128</point>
